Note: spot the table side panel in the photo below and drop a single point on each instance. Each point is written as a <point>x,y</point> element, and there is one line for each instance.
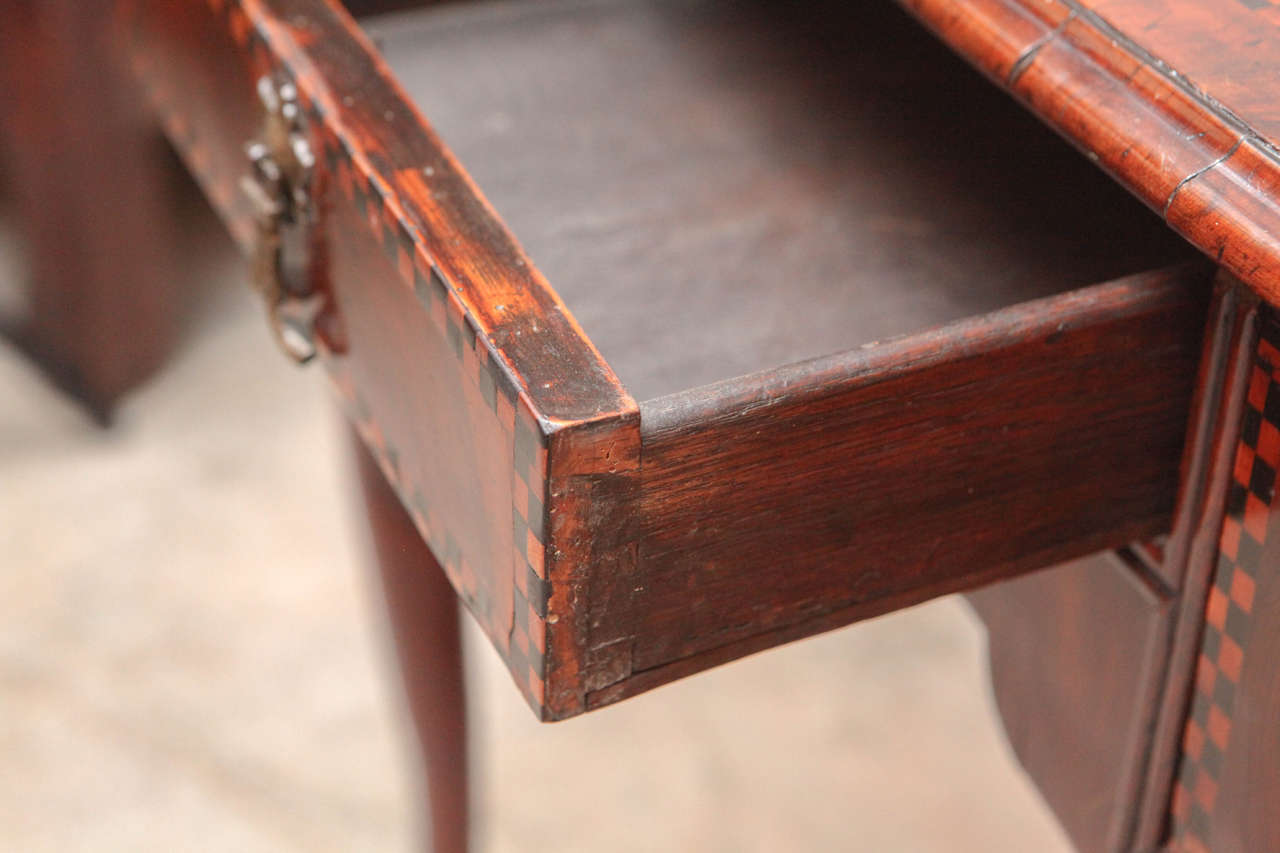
<point>1078,655</point>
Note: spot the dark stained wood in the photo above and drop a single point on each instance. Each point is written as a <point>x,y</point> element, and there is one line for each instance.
<point>596,518</point>
<point>839,489</point>
<point>1078,657</point>
<point>606,548</point>
<point>1228,774</point>
<point>1249,787</point>
<point>427,199</point>
<point>423,612</point>
<point>1090,661</point>
<point>1191,552</point>
<point>1205,169</point>
<point>720,188</point>
<point>465,374</point>
<point>89,179</point>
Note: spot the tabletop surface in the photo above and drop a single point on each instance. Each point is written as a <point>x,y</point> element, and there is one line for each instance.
<point>1226,49</point>
<point>1176,99</point>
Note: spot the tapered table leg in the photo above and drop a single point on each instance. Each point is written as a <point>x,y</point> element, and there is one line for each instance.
<point>424,621</point>
<point>89,177</point>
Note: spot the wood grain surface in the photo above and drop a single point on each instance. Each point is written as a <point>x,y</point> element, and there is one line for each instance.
<point>1228,772</point>
<point>1078,657</point>
<point>607,548</point>
<point>1224,50</point>
<point>721,188</point>
<point>462,369</point>
<point>839,489</point>
<point>1144,89</point>
<point>1189,557</point>
<point>428,198</point>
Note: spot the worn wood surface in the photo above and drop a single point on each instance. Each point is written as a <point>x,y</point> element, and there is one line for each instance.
<point>721,188</point>
<point>842,488</point>
<point>636,553</point>
<point>464,372</point>
<point>1165,129</point>
<point>1225,50</point>
<point>648,542</point>
<point>1078,658</point>
<point>427,200</point>
<point>1091,661</point>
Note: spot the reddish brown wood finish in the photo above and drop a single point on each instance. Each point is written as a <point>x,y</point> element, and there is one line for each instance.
<point>1209,172</point>
<point>424,198</point>
<point>89,176</point>
<point>912,469</point>
<point>1229,767</point>
<point>424,622</point>
<point>1226,51</point>
<point>636,556</point>
<point>1078,657</point>
<point>1190,554</point>
<point>480,397</point>
<point>1090,662</point>
<point>649,542</point>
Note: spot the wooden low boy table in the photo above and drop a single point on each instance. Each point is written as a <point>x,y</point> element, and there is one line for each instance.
<point>891,337</point>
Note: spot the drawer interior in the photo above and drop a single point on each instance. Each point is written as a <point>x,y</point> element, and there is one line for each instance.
<point>716,188</point>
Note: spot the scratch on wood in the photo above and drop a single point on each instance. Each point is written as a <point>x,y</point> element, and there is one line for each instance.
<point>1023,62</point>
<point>1197,173</point>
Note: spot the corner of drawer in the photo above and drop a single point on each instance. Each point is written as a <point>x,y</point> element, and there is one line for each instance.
<point>592,485</point>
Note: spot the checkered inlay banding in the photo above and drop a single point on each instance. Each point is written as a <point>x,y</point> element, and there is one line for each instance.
<point>1229,608</point>
<point>519,635</point>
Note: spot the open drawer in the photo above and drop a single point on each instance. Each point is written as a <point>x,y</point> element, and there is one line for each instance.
<point>724,194</point>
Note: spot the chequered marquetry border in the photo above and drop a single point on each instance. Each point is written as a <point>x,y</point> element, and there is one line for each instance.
<point>1229,608</point>
<point>524,646</point>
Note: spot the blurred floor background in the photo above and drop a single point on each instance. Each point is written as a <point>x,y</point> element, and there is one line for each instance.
<point>192,656</point>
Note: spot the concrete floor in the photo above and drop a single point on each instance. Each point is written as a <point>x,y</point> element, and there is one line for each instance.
<point>192,657</point>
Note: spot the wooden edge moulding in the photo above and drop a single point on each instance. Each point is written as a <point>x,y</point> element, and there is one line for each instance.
<point>1204,170</point>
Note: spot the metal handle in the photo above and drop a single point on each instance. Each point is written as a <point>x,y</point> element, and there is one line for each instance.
<point>278,186</point>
